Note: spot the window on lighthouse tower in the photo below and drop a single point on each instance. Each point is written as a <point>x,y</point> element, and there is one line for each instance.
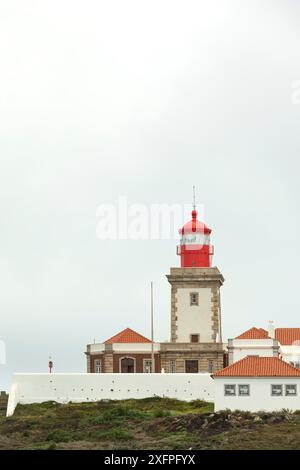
<point>194,298</point>
<point>194,338</point>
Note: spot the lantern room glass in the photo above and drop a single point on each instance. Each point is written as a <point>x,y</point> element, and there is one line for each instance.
<point>195,239</point>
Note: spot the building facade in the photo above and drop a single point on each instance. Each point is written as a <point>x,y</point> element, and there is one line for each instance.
<point>257,384</point>
<point>253,342</point>
<point>195,305</point>
<point>289,345</point>
<point>126,352</point>
<point>274,342</point>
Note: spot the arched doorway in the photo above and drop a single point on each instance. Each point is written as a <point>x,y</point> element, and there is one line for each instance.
<point>127,365</point>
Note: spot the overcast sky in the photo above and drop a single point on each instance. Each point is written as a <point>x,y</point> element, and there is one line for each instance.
<point>102,99</point>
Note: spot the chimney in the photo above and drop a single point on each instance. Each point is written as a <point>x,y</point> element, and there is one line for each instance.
<point>271,329</point>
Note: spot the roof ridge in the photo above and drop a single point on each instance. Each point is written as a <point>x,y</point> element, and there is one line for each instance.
<point>230,365</point>
<point>288,328</point>
<point>287,336</point>
<point>261,366</point>
<point>253,331</point>
<point>124,337</point>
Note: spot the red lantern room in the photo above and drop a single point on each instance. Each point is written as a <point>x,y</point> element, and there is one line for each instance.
<point>195,250</point>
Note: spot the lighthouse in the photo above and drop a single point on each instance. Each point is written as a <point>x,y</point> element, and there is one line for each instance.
<point>195,287</point>
<point>195,250</point>
<point>195,343</point>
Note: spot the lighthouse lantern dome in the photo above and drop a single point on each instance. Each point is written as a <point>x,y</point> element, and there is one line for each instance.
<point>195,249</point>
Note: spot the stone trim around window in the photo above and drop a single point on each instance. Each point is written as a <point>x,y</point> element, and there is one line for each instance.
<point>97,366</point>
<point>127,357</point>
<point>144,366</point>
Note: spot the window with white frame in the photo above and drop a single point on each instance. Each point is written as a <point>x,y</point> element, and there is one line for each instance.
<point>98,366</point>
<point>173,367</point>
<point>229,390</point>
<point>244,390</point>
<point>147,366</point>
<point>276,390</point>
<point>291,390</point>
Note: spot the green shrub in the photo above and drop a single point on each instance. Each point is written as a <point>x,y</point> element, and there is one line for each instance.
<point>199,404</point>
<point>159,413</point>
<point>112,435</point>
<point>59,435</point>
<point>117,414</point>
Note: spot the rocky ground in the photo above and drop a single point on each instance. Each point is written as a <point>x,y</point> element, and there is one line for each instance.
<point>154,423</point>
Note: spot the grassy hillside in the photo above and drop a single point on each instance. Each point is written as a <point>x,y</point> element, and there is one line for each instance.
<point>152,423</point>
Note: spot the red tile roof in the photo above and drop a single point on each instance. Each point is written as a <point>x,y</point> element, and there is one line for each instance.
<point>288,335</point>
<point>128,336</point>
<point>254,333</point>
<point>259,367</point>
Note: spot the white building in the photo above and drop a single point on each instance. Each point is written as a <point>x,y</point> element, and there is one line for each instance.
<point>256,384</point>
<point>280,342</point>
<point>253,342</point>
<point>289,345</point>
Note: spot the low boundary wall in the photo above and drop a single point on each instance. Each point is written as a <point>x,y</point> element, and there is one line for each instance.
<point>64,388</point>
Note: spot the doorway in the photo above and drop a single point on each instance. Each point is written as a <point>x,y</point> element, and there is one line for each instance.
<point>191,366</point>
<point>127,365</point>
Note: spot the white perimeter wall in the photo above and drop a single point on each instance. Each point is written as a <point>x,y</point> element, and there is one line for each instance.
<point>63,388</point>
<point>260,398</point>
